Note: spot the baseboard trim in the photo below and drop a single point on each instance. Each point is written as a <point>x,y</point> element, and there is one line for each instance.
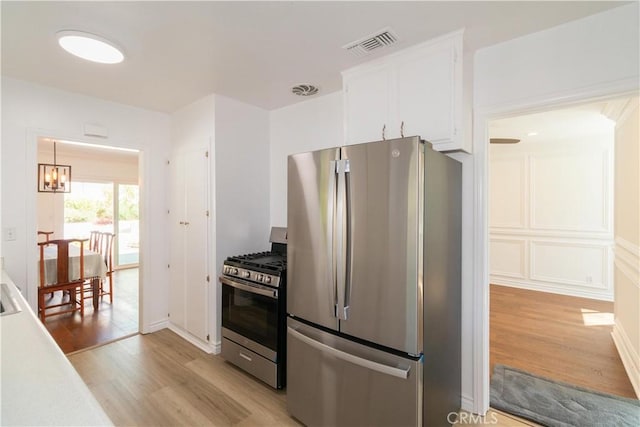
<point>466,403</point>
<point>206,347</point>
<point>561,290</point>
<point>154,327</point>
<point>628,355</point>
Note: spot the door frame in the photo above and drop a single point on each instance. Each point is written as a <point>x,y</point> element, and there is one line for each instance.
<point>33,134</point>
<point>480,282</point>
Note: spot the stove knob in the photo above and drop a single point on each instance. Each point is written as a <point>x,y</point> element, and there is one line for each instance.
<point>267,279</point>
<point>246,274</point>
<point>234,271</point>
<point>260,277</point>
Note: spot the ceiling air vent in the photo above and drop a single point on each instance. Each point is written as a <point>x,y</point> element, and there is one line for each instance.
<point>304,90</point>
<point>383,38</point>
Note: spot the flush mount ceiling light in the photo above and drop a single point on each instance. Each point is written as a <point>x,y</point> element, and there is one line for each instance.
<point>89,46</point>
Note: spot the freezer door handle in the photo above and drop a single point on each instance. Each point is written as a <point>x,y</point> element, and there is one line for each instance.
<point>342,238</point>
<point>365,363</point>
<point>332,235</point>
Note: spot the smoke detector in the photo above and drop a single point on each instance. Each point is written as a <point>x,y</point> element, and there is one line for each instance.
<point>364,46</point>
<point>304,90</point>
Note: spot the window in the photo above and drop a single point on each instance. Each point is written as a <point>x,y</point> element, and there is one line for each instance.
<point>92,206</point>
<point>128,242</point>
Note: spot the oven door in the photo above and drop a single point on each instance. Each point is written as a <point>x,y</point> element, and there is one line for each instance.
<point>250,316</point>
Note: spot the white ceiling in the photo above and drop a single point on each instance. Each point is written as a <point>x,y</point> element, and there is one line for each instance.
<point>178,52</point>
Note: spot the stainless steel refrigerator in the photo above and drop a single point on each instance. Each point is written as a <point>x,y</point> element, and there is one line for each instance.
<point>373,285</point>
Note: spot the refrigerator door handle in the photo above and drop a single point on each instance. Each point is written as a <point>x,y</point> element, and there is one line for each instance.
<point>332,235</point>
<point>356,360</point>
<point>349,240</point>
<point>341,238</point>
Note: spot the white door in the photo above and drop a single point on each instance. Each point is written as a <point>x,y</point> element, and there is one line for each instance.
<point>188,272</point>
<point>196,239</point>
<point>367,100</point>
<point>426,93</point>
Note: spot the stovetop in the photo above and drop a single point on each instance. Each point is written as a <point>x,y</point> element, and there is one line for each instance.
<point>269,262</point>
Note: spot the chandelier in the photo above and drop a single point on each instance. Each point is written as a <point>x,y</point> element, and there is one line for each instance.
<point>54,178</point>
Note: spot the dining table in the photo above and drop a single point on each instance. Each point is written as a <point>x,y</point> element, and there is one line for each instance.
<point>95,267</point>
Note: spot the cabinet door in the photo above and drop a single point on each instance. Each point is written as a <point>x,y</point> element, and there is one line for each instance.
<point>367,101</point>
<point>189,253</point>
<point>426,94</point>
<point>196,251</point>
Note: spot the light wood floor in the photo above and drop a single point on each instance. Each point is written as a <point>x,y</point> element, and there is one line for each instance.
<point>111,321</point>
<point>556,336</point>
<point>160,379</point>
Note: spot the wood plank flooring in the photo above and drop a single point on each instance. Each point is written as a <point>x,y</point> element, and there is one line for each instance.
<point>160,379</point>
<point>110,322</point>
<point>560,337</point>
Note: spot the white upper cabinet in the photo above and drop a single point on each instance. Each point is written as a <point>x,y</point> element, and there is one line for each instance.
<point>417,91</point>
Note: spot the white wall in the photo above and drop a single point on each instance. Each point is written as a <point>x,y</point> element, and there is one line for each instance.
<point>307,126</point>
<point>626,332</point>
<point>242,178</point>
<point>550,64</point>
<point>29,111</point>
<point>550,214</point>
<point>241,184</point>
<point>594,57</point>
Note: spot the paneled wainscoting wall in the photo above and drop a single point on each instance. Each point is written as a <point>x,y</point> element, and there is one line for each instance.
<point>551,216</point>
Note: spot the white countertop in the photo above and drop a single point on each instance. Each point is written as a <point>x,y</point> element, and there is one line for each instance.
<point>38,384</point>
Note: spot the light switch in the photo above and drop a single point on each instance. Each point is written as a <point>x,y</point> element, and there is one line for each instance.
<point>9,233</point>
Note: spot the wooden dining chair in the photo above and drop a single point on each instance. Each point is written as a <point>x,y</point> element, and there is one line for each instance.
<point>107,243</point>
<point>46,235</point>
<point>63,280</point>
<point>94,241</point>
<point>102,243</point>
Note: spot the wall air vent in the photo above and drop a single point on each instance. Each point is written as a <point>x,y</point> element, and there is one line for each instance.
<point>364,46</point>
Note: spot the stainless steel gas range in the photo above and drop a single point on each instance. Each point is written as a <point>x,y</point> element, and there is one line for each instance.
<point>254,310</point>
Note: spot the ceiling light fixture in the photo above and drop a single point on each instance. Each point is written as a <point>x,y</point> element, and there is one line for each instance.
<point>54,178</point>
<point>90,47</point>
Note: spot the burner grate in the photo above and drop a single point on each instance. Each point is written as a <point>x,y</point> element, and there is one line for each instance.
<point>271,261</point>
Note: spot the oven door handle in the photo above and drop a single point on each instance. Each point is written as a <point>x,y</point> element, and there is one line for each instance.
<point>253,289</point>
